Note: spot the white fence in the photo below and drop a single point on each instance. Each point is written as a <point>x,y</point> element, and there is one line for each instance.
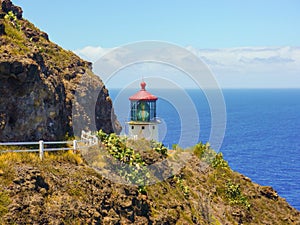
<point>87,139</point>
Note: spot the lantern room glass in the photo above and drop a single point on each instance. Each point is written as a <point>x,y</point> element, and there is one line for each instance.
<point>143,111</point>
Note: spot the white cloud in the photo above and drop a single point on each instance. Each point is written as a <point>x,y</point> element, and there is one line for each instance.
<point>253,66</point>
<point>256,59</point>
<point>239,67</point>
<point>91,53</point>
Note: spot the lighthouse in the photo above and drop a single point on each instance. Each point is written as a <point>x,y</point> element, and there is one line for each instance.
<point>143,122</point>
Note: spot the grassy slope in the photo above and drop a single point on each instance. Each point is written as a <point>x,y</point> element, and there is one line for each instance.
<point>199,194</point>
<point>18,44</point>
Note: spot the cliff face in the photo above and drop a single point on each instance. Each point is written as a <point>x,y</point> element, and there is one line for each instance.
<point>38,84</point>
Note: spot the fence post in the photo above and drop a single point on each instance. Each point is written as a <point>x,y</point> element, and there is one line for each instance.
<point>82,134</point>
<point>74,145</point>
<point>96,140</point>
<point>41,149</point>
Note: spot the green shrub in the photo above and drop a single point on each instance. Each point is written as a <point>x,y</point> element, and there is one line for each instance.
<point>10,16</point>
<point>206,154</point>
<point>159,147</point>
<point>200,149</point>
<point>131,166</point>
<point>219,162</point>
<point>184,188</point>
<point>234,194</point>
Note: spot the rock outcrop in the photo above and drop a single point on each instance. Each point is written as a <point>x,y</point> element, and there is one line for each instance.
<point>39,82</point>
<point>52,198</point>
<point>7,6</point>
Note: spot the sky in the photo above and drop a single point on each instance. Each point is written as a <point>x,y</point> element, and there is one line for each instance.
<point>246,44</point>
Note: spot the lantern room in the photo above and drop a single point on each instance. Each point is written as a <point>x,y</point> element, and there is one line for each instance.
<point>143,105</point>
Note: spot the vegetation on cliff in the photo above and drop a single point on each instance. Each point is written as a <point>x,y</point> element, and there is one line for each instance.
<point>64,189</point>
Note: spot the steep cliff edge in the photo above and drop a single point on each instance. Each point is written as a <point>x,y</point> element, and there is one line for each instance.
<point>39,81</point>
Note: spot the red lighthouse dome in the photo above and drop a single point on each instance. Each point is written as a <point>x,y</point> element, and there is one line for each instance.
<point>143,94</point>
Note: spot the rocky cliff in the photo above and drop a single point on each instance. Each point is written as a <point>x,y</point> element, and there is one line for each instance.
<point>39,82</point>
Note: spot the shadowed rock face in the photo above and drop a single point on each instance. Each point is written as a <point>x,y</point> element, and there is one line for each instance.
<point>31,109</point>
<point>38,84</point>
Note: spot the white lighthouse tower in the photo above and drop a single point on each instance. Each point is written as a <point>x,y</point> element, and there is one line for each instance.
<point>143,122</point>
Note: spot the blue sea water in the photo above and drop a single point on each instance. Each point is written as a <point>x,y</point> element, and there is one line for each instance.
<point>262,137</point>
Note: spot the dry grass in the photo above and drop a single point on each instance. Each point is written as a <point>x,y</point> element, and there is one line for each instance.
<point>17,39</point>
<point>21,157</point>
<point>4,202</point>
<point>63,156</point>
<point>10,161</point>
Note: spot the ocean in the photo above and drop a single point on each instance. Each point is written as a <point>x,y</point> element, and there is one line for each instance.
<point>262,135</point>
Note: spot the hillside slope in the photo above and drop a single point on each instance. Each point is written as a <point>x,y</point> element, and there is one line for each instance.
<point>38,84</point>
<point>63,189</point>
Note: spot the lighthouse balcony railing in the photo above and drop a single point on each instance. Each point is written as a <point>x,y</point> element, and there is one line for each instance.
<point>152,120</point>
